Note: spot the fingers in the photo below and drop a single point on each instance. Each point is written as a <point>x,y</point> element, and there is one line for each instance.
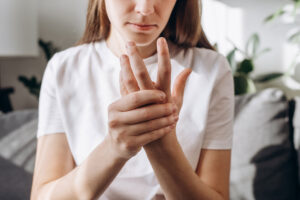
<point>179,85</point>
<point>153,125</point>
<point>128,79</point>
<point>164,67</point>
<point>123,89</point>
<point>154,84</point>
<point>138,67</point>
<point>153,135</point>
<point>147,113</point>
<point>128,146</point>
<point>137,99</point>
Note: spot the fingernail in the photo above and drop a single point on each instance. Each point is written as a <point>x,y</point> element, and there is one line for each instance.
<point>159,44</point>
<point>163,42</point>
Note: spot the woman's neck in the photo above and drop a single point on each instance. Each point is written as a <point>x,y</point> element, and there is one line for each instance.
<point>118,46</point>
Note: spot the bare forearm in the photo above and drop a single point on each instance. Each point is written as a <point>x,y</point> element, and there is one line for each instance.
<point>88,180</point>
<point>175,175</point>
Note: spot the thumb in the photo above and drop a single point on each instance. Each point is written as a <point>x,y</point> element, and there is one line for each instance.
<point>179,85</point>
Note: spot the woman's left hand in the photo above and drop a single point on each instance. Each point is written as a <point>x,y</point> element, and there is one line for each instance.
<point>134,75</point>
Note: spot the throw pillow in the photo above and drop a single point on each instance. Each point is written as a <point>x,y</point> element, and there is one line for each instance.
<point>264,164</point>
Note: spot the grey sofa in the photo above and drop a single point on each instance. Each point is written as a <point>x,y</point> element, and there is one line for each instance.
<point>264,156</point>
<point>265,149</point>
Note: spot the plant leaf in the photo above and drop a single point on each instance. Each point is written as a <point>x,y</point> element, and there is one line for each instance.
<point>297,6</point>
<point>216,46</point>
<point>266,50</point>
<point>252,45</point>
<point>48,48</point>
<point>275,15</point>
<point>295,38</point>
<point>268,77</point>
<point>246,66</point>
<point>243,84</point>
<point>231,59</point>
<point>24,80</point>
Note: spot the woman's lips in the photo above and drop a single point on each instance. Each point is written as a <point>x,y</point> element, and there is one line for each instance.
<point>142,27</point>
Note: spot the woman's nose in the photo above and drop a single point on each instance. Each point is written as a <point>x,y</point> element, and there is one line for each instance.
<point>144,7</point>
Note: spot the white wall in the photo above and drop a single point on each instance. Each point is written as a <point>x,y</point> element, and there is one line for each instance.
<point>18,20</point>
<point>59,21</point>
<point>238,19</point>
<point>63,22</point>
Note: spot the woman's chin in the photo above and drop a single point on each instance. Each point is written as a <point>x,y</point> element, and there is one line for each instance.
<point>142,39</point>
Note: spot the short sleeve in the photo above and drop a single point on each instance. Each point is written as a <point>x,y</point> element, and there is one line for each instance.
<point>220,117</point>
<point>49,118</point>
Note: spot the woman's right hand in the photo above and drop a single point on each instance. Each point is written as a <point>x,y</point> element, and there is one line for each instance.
<point>138,119</point>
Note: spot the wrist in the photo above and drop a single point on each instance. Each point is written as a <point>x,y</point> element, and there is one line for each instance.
<point>116,157</point>
<point>164,144</point>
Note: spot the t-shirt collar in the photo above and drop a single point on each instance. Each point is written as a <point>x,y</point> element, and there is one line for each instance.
<point>106,53</point>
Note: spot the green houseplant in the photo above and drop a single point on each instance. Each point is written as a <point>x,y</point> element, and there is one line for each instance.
<point>242,69</point>
<point>290,12</point>
<point>32,84</point>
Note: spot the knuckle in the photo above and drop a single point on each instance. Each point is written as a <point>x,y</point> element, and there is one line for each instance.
<point>121,133</point>
<point>130,81</point>
<point>114,137</point>
<point>129,146</point>
<point>122,146</point>
<point>113,122</point>
<point>170,119</point>
<point>118,138</point>
<point>151,123</point>
<point>135,99</point>
<point>164,131</point>
<point>168,109</point>
<point>157,134</point>
<point>111,107</point>
<point>145,114</point>
<point>141,74</point>
<point>151,136</point>
<point>166,71</point>
<point>158,95</point>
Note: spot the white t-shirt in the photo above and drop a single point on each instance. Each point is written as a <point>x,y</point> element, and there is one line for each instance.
<point>81,82</point>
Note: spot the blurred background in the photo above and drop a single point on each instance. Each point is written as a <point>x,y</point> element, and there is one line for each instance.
<point>59,22</point>
<point>228,24</point>
<point>261,40</point>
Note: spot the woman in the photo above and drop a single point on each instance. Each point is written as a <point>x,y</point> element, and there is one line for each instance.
<point>107,131</point>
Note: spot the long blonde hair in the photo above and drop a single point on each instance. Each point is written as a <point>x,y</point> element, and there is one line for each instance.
<point>184,27</point>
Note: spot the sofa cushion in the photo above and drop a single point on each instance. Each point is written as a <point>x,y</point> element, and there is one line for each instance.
<point>296,125</point>
<point>19,146</point>
<point>17,153</point>
<point>264,163</point>
<point>13,120</point>
<point>15,182</point>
